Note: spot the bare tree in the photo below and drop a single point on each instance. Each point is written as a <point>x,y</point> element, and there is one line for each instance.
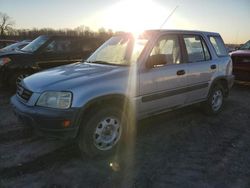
<point>6,24</point>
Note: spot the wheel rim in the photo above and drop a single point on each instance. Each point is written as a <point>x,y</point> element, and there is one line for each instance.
<point>107,133</point>
<point>20,78</point>
<point>217,100</point>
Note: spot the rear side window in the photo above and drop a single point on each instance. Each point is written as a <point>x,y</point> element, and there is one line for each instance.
<point>196,48</point>
<point>218,45</point>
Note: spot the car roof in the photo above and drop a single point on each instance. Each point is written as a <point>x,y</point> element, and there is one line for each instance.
<point>162,31</point>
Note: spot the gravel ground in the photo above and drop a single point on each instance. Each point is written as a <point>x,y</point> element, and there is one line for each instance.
<point>184,148</point>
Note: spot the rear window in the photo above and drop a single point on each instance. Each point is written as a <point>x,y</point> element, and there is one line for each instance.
<point>218,45</point>
<point>196,48</point>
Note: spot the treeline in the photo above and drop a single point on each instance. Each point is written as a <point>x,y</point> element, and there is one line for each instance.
<point>82,32</point>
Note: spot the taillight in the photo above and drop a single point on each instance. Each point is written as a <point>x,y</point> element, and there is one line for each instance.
<point>230,68</point>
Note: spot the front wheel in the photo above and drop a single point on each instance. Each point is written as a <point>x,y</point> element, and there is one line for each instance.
<point>102,132</point>
<point>215,101</point>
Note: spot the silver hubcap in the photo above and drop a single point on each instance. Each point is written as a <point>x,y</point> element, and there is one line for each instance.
<point>20,78</point>
<point>217,100</point>
<point>107,133</point>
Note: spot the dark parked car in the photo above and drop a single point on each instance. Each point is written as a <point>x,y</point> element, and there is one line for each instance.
<point>5,42</point>
<point>241,62</point>
<point>42,53</point>
<point>15,46</point>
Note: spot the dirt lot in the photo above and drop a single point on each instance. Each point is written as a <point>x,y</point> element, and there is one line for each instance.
<point>184,148</point>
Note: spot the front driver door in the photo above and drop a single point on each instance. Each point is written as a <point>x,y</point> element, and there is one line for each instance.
<point>162,85</point>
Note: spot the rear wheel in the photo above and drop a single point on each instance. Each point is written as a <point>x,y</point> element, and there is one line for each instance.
<point>215,101</point>
<point>102,132</point>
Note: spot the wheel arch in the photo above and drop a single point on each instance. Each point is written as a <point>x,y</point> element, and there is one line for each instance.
<point>222,80</point>
<point>113,99</point>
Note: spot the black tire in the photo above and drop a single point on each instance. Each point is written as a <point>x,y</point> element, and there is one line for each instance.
<point>87,134</point>
<point>209,106</point>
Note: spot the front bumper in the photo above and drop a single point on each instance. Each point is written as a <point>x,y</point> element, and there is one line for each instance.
<point>47,121</point>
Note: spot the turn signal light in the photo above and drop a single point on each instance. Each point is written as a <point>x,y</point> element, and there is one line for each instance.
<point>66,123</point>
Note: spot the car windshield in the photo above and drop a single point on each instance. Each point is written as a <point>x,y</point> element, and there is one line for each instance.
<point>119,50</point>
<point>35,44</point>
<point>246,46</point>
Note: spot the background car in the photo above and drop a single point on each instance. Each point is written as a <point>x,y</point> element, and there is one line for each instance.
<point>5,42</point>
<point>42,53</point>
<point>241,62</point>
<point>15,46</point>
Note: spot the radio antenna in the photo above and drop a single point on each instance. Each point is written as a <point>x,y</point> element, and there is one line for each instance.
<point>165,21</point>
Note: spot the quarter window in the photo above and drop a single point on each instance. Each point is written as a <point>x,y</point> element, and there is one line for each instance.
<point>196,48</point>
<point>218,45</point>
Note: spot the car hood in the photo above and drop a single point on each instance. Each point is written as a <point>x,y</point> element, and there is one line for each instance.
<point>240,53</point>
<point>15,55</point>
<point>69,76</point>
<point>13,52</point>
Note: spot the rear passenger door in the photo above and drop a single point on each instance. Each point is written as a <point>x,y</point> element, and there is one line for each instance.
<point>200,67</point>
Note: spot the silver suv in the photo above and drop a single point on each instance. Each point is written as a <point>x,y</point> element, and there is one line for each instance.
<point>129,77</point>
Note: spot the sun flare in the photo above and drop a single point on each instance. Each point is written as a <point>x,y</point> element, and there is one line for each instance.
<point>134,15</point>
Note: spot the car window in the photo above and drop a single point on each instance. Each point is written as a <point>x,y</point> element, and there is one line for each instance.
<point>245,46</point>
<point>218,45</point>
<point>58,46</point>
<point>115,51</point>
<point>36,44</point>
<point>166,51</point>
<point>196,48</point>
<point>121,50</point>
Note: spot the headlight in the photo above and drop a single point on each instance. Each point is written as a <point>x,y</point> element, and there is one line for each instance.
<point>4,60</point>
<point>52,99</point>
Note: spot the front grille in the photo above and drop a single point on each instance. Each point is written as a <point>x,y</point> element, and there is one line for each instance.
<point>24,93</point>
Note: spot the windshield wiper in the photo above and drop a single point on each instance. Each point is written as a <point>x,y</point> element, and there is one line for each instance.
<point>98,62</point>
<point>105,63</point>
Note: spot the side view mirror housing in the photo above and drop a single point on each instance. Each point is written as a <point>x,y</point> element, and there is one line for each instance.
<point>156,60</point>
<point>149,63</point>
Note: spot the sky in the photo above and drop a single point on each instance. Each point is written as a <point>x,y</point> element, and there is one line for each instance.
<point>228,17</point>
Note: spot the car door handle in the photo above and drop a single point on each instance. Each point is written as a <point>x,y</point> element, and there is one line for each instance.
<point>180,72</point>
<point>213,66</point>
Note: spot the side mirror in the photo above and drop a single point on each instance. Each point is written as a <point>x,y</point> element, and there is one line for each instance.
<point>48,50</point>
<point>156,60</point>
<point>149,63</point>
<point>45,52</point>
